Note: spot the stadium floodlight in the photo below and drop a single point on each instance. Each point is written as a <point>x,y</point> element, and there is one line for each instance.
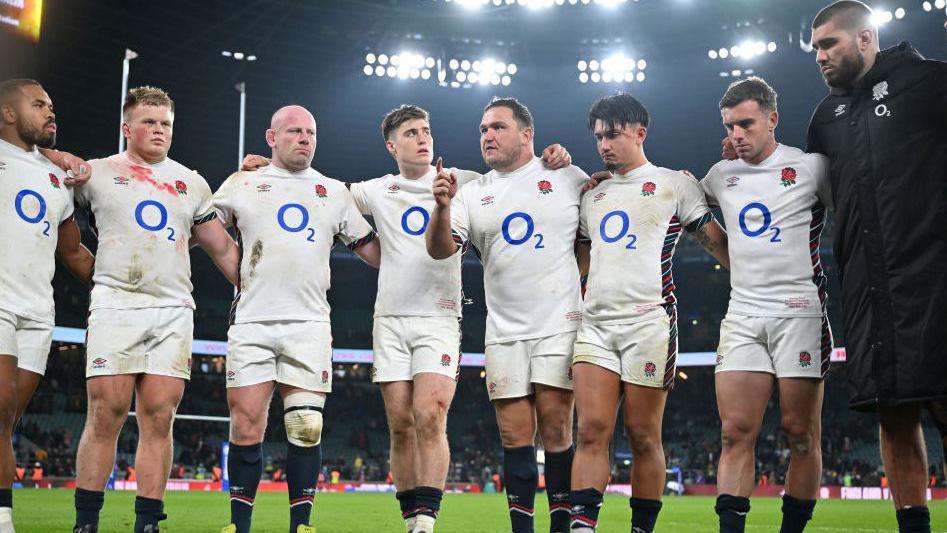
<point>927,6</point>
<point>940,4</point>
<point>370,58</point>
<point>899,13</point>
<point>746,50</point>
<point>617,68</point>
<point>881,16</point>
<point>712,54</point>
<point>453,72</point>
<point>368,70</point>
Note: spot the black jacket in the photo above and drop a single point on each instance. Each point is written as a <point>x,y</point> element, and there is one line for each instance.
<point>887,143</point>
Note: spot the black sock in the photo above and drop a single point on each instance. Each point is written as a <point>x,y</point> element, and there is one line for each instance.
<point>521,477</point>
<point>427,501</point>
<point>148,511</point>
<point>644,514</point>
<point>914,520</point>
<point>6,498</point>
<point>558,481</point>
<point>796,513</point>
<point>406,501</point>
<point>732,511</point>
<point>585,506</point>
<point>302,474</point>
<point>244,468</point>
<point>88,505</point>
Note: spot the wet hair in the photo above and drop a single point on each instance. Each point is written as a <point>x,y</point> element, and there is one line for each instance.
<point>619,110</point>
<point>398,116</point>
<point>752,88</point>
<point>520,112</point>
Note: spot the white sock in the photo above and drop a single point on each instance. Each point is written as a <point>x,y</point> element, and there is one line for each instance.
<point>424,524</point>
<point>6,520</point>
<point>409,524</point>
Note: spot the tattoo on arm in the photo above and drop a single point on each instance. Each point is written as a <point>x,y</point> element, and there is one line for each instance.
<point>704,239</point>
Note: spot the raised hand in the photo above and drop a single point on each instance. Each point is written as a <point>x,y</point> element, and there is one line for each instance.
<point>445,185</point>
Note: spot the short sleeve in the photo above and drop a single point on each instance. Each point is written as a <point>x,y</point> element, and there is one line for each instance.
<point>583,234</point>
<point>465,176</point>
<point>204,200</point>
<point>819,166</point>
<point>692,207</point>
<point>707,186</point>
<point>69,209</point>
<point>353,228</point>
<point>223,202</point>
<point>460,219</point>
<point>359,190</point>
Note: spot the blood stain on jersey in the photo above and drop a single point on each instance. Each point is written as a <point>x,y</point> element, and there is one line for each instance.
<point>180,186</point>
<point>544,186</point>
<point>53,180</point>
<point>788,177</point>
<point>321,191</point>
<point>140,173</point>
<point>648,189</point>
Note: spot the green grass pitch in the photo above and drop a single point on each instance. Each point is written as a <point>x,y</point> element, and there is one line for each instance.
<point>43,510</point>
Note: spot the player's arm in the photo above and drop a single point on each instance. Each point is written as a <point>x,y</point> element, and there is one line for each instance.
<point>583,256</point>
<point>713,238</point>
<point>72,253</point>
<point>214,239</point>
<point>440,243</point>
<point>77,169</point>
<point>370,251</point>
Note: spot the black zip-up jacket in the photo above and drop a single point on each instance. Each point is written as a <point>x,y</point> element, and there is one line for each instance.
<point>886,139</point>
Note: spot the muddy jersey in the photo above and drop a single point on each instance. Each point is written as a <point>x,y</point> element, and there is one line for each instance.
<point>287,223</point>
<point>774,212</point>
<point>143,214</point>
<point>410,282</point>
<point>634,221</point>
<point>33,203</point>
<point>523,225</point>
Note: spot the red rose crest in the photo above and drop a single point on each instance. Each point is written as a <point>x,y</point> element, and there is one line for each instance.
<point>180,186</point>
<point>649,369</point>
<point>805,359</point>
<point>648,189</point>
<point>492,387</point>
<point>719,358</point>
<point>325,377</point>
<point>53,180</point>
<point>788,177</point>
<point>321,191</point>
<point>445,360</point>
<point>544,186</point>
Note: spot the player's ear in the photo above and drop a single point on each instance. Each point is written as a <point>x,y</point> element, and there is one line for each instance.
<point>8,113</point>
<point>773,120</point>
<point>391,148</point>
<point>641,133</point>
<point>528,134</point>
<point>126,130</point>
<point>271,138</point>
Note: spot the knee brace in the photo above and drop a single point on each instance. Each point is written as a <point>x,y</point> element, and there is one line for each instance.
<point>302,416</point>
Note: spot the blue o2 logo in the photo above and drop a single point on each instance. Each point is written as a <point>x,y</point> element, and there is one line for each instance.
<point>302,217</point>
<point>425,218</point>
<point>751,210</point>
<point>40,213</point>
<point>527,235</point>
<point>622,233</point>
<point>147,208</point>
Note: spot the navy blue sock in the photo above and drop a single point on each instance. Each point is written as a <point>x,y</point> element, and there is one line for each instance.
<point>148,511</point>
<point>427,500</point>
<point>406,501</point>
<point>914,520</point>
<point>521,477</point>
<point>796,513</point>
<point>558,481</point>
<point>244,468</point>
<point>585,506</point>
<point>732,511</point>
<point>302,475</point>
<point>644,514</point>
<point>88,505</point>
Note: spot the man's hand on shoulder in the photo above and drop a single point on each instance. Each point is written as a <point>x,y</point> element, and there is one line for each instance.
<point>253,162</point>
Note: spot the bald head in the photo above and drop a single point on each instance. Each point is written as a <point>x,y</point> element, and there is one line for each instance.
<point>292,136</point>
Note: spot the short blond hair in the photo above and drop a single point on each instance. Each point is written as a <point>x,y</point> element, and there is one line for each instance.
<point>146,95</point>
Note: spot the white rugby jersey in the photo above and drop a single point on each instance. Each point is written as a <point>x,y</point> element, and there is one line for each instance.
<point>33,203</point>
<point>143,215</point>
<point>774,213</point>
<point>287,223</point>
<point>634,221</point>
<point>523,225</point>
<point>410,282</point>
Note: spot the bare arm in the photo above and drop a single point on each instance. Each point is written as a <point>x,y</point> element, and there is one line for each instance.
<point>370,252</point>
<point>440,243</point>
<point>79,171</point>
<point>713,238</point>
<point>583,256</point>
<point>72,253</point>
<point>214,239</point>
